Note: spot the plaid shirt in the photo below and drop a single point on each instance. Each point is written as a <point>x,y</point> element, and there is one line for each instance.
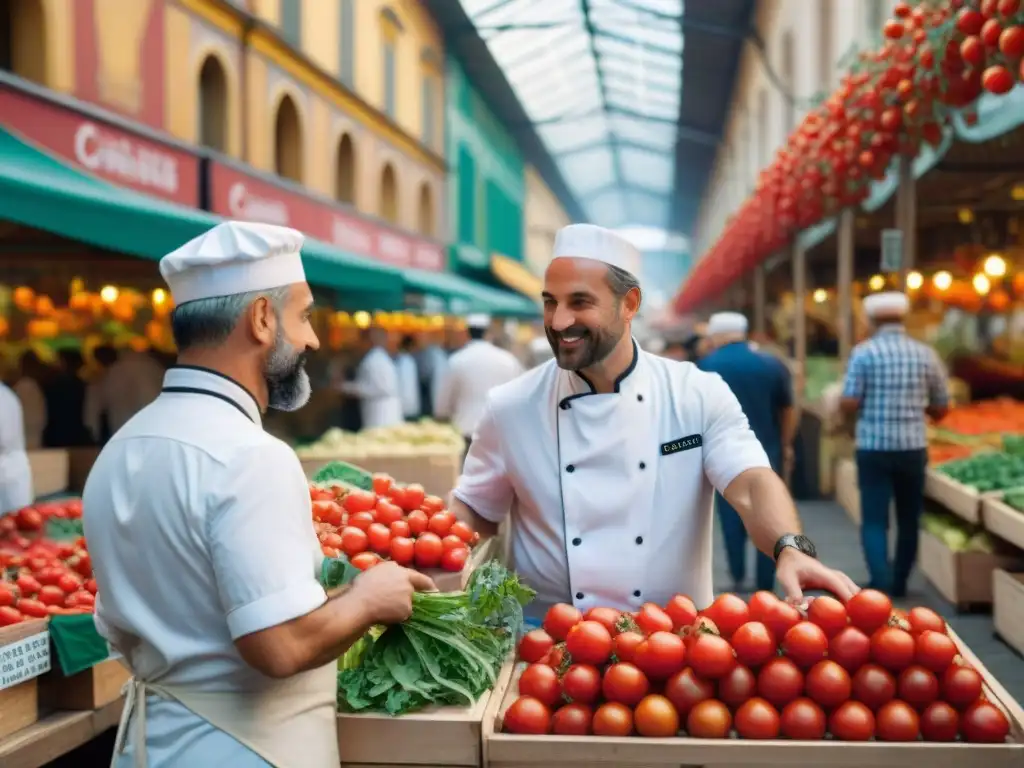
<point>895,378</point>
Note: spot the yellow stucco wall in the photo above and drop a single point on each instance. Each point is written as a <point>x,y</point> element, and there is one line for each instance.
<point>53,63</point>
<point>543,217</point>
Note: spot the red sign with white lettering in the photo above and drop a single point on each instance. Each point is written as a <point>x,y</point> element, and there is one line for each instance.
<point>238,195</point>
<point>97,147</point>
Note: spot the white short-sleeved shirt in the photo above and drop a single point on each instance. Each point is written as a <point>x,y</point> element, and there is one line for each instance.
<point>473,371</point>
<point>610,495</point>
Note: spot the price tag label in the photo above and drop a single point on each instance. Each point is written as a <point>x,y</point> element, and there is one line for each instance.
<point>24,659</point>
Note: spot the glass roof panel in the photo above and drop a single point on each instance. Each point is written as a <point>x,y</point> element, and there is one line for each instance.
<point>590,170</point>
<point>641,131</point>
<point>573,133</point>
<point>646,170</point>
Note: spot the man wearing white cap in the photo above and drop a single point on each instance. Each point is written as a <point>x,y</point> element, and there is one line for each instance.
<point>472,373</point>
<point>201,535</point>
<point>606,459</point>
<point>762,386</point>
<point>892,381</point>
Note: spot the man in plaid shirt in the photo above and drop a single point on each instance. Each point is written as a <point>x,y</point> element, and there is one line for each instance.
<point>892,381</point>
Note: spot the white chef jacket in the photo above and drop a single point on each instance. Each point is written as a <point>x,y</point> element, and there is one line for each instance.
<point>433,364</point>
<point>610,495</point>
<point>15,471</point>
<point>473,371</point>
<point>125,388</point>
<point>200,532</point>
<point>376,386</point>
<point>33,410</point>
<point>408,384</point>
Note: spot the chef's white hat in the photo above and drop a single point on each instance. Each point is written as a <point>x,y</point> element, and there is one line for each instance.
<point>588,241</point>
<point>479,321</point>
<point>234,257</point>
<point>726,322</point>
<point>888,304</point>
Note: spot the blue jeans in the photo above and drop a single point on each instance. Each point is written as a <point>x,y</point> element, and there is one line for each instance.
<point>884,477</point>
<point>735,536</point>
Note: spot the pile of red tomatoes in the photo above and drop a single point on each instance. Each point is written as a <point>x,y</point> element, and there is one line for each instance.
<point>757,670</point>
<point>394,522</point>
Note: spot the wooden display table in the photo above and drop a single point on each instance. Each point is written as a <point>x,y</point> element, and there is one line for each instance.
<point>50,471</point>
<point>56,734</point>
<point>963,501</point>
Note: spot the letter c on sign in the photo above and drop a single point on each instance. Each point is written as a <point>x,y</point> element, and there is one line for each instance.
<point>236,199</point>
<point>84,136</point>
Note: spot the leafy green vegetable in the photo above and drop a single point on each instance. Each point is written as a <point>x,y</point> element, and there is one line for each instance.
<point>344,473</point>
<point>1013,444</point>
<point>993,471</point>
<point>62,529</point>
<point>337,572</point>
<point>447,653</point>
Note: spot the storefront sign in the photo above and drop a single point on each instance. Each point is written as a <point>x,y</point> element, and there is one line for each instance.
<point>239,195</point>
<point>111,153</point>
<point>24,659</point>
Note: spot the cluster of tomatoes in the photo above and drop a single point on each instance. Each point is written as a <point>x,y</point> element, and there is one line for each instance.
<point>40,577</point>
<point>937,57</point>
<point>396,522</point>
<point>761,670</point>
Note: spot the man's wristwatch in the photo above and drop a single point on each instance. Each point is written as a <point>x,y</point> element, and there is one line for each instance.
<point>797,541</point>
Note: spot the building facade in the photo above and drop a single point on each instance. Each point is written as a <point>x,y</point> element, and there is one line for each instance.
<point>327,115</point>
<point>544,216</point>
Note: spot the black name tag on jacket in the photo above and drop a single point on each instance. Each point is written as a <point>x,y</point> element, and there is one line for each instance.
<point>681,444</point>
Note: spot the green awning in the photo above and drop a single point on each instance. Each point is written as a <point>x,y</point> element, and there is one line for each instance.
<point>38,190</point>
<point>464,295</point>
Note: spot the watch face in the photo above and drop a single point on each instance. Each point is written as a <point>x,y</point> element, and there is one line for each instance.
<point>805,545</point>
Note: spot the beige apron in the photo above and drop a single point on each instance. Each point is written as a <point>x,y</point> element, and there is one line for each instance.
<point>293,724</point>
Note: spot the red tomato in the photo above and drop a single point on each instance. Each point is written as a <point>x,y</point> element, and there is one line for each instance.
<point>452,542</point>
<point>660,656</point>
<point>417,520</point>
<point>709,719</point>
<point>50,575</point>
<point>780,681</point>
<point>382,484</point>
<point>893,648</point>
<point>428,551</point>
<point>738,685</point>
<point>454,560</point>
<point>711,656</point>
<point>729,613</point>
<point>359,501</point>
<point>557,659</point>
<point>328,512</point>
<point>82,564</point>
<point>572,720</point>
<point>541,682</point>
<point>29,519</point>
<point>961,686</point>
<point>624,683</point>
<point>379,537</point>
<point>582,683</point>
<point>412,497</point>
<point>81,599</point>
<point>940,722</point>
<point>803,720</point>
<point>682,611</point>
<point>364,561</point>
<point>400,528</point>
<point>604,615</point>
<point>32,608</point>
<point>828,684</point>
<point>432,504</point>
<point>51,595</point>
<point>984,723</point>
<point>850,648</point>
<point>874,686</point>
<point>463,531</point>
<point>28,585</point>
<point>869,609</point>
<point>917,686</point>
<point>805,643</point>
<point>535,645</point>
<point>934,651</point>
<point>753,643</point>
<point>924,619</point>
<point>388,512</point>
<point>441,522</point>
<point>760,604</point>
<point>612,719</point>
<point>828,613</point>
<point>9,616</point>
<point>402,550</point>
<point>625,645</point>
<point>90,585</point>
<point>684,689</point>
<point>8,595</point>
<point>361,520</point>
<point>527,716</point>
<point>560,618</point>
<point>897,721</point>
<point>353,540</point>
<point>780,618</point>
<point>652,619</point>
<point>852,721</point>
<point>329,540</point>
<point>589,642</point>
<point>757,719</point>
<point>655,717</point>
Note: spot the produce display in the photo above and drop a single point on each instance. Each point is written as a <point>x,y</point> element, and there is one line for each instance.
<point>754,670</point>
<point>999,416</point>
<point>987,471</point>
<point>45,568</point>
<point>422,438</point>
<point>1015,499</point>
<point>940,453</point>
<point>956,534</point>
<point>819,373</point>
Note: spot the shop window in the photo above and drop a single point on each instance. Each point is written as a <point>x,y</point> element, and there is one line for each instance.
<point>391,29</point>
<point>347,64</point>
<point>345,174</point>
<point>875,17</point>
<point>466,172</point>
<point>291,21</point>
<point>389,195</point>
<point>826,43</point>
<point>426,210</point>
<point>288,141</point>
<point>788,82</point>
<point>23,39</point>
<point>429,110</point>
<point>213,105</point>
<point>390,97</point>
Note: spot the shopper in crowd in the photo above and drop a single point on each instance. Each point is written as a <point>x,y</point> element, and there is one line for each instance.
<point>200,533</point>
<point>376,383</point>
<point>762,386</point>
<point>132,382</point>
<point>432,363</point>
<point>473,372</point>
<point>97,414</point>
<point>15,470</point>
<point>607,458</point>
<point>33,375</point>
<point>408,378</point>
<point>892,382</point>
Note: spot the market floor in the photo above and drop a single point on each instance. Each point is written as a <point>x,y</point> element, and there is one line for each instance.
<point>838,543</point>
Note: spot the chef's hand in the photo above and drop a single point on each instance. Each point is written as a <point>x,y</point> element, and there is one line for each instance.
<point>386,591</point>
<point>797,572</point>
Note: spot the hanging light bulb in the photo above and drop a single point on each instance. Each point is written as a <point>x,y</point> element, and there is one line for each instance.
<point>820,296</point>
<point>159,297</point>
<point>914,280</point>
<point>876,283</point>
<point>109,294</point>
<point>994,265</point>
<point>981,284</point>
<point>942,280</point>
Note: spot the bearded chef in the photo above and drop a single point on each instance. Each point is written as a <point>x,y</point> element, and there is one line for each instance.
<point>606,459</point>
<point>201,535</point>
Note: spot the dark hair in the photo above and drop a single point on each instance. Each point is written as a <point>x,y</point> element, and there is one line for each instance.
<point>105,355</point>
<point>209,322</point>
<point>621,282</point>
<point>477,333</point>
<point>408,342</point>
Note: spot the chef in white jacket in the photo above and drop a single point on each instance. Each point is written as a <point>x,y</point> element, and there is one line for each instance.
<point>15,470</point>
<point>376,383</point>
<point>607,457</point>
<point>201,535</point>
<point>473,371</point>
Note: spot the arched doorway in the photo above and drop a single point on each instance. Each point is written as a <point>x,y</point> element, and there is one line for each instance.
<point>213,105</point>
<point>288,141</point>
<point>23,39</point>
<point>345,172</point>
<point>389,195</point>
<point>425,212</point>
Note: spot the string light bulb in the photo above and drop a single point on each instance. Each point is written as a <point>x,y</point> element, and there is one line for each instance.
<point>981,284</point>
<point>914,280</point>
<point>109,294</point>
<point>994,266</point>
<point>942,280</point>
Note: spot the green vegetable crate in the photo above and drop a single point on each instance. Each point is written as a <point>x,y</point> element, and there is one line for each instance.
<point>964,578</point>
<point>962,500</point>
<point>1008,608</point>
<point>1002,519</point>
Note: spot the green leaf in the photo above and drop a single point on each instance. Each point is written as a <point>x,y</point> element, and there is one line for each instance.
<point>344,473</point>
<point>336,572</point>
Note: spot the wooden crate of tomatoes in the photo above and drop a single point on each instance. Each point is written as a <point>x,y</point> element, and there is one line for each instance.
<point>755,683</point>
